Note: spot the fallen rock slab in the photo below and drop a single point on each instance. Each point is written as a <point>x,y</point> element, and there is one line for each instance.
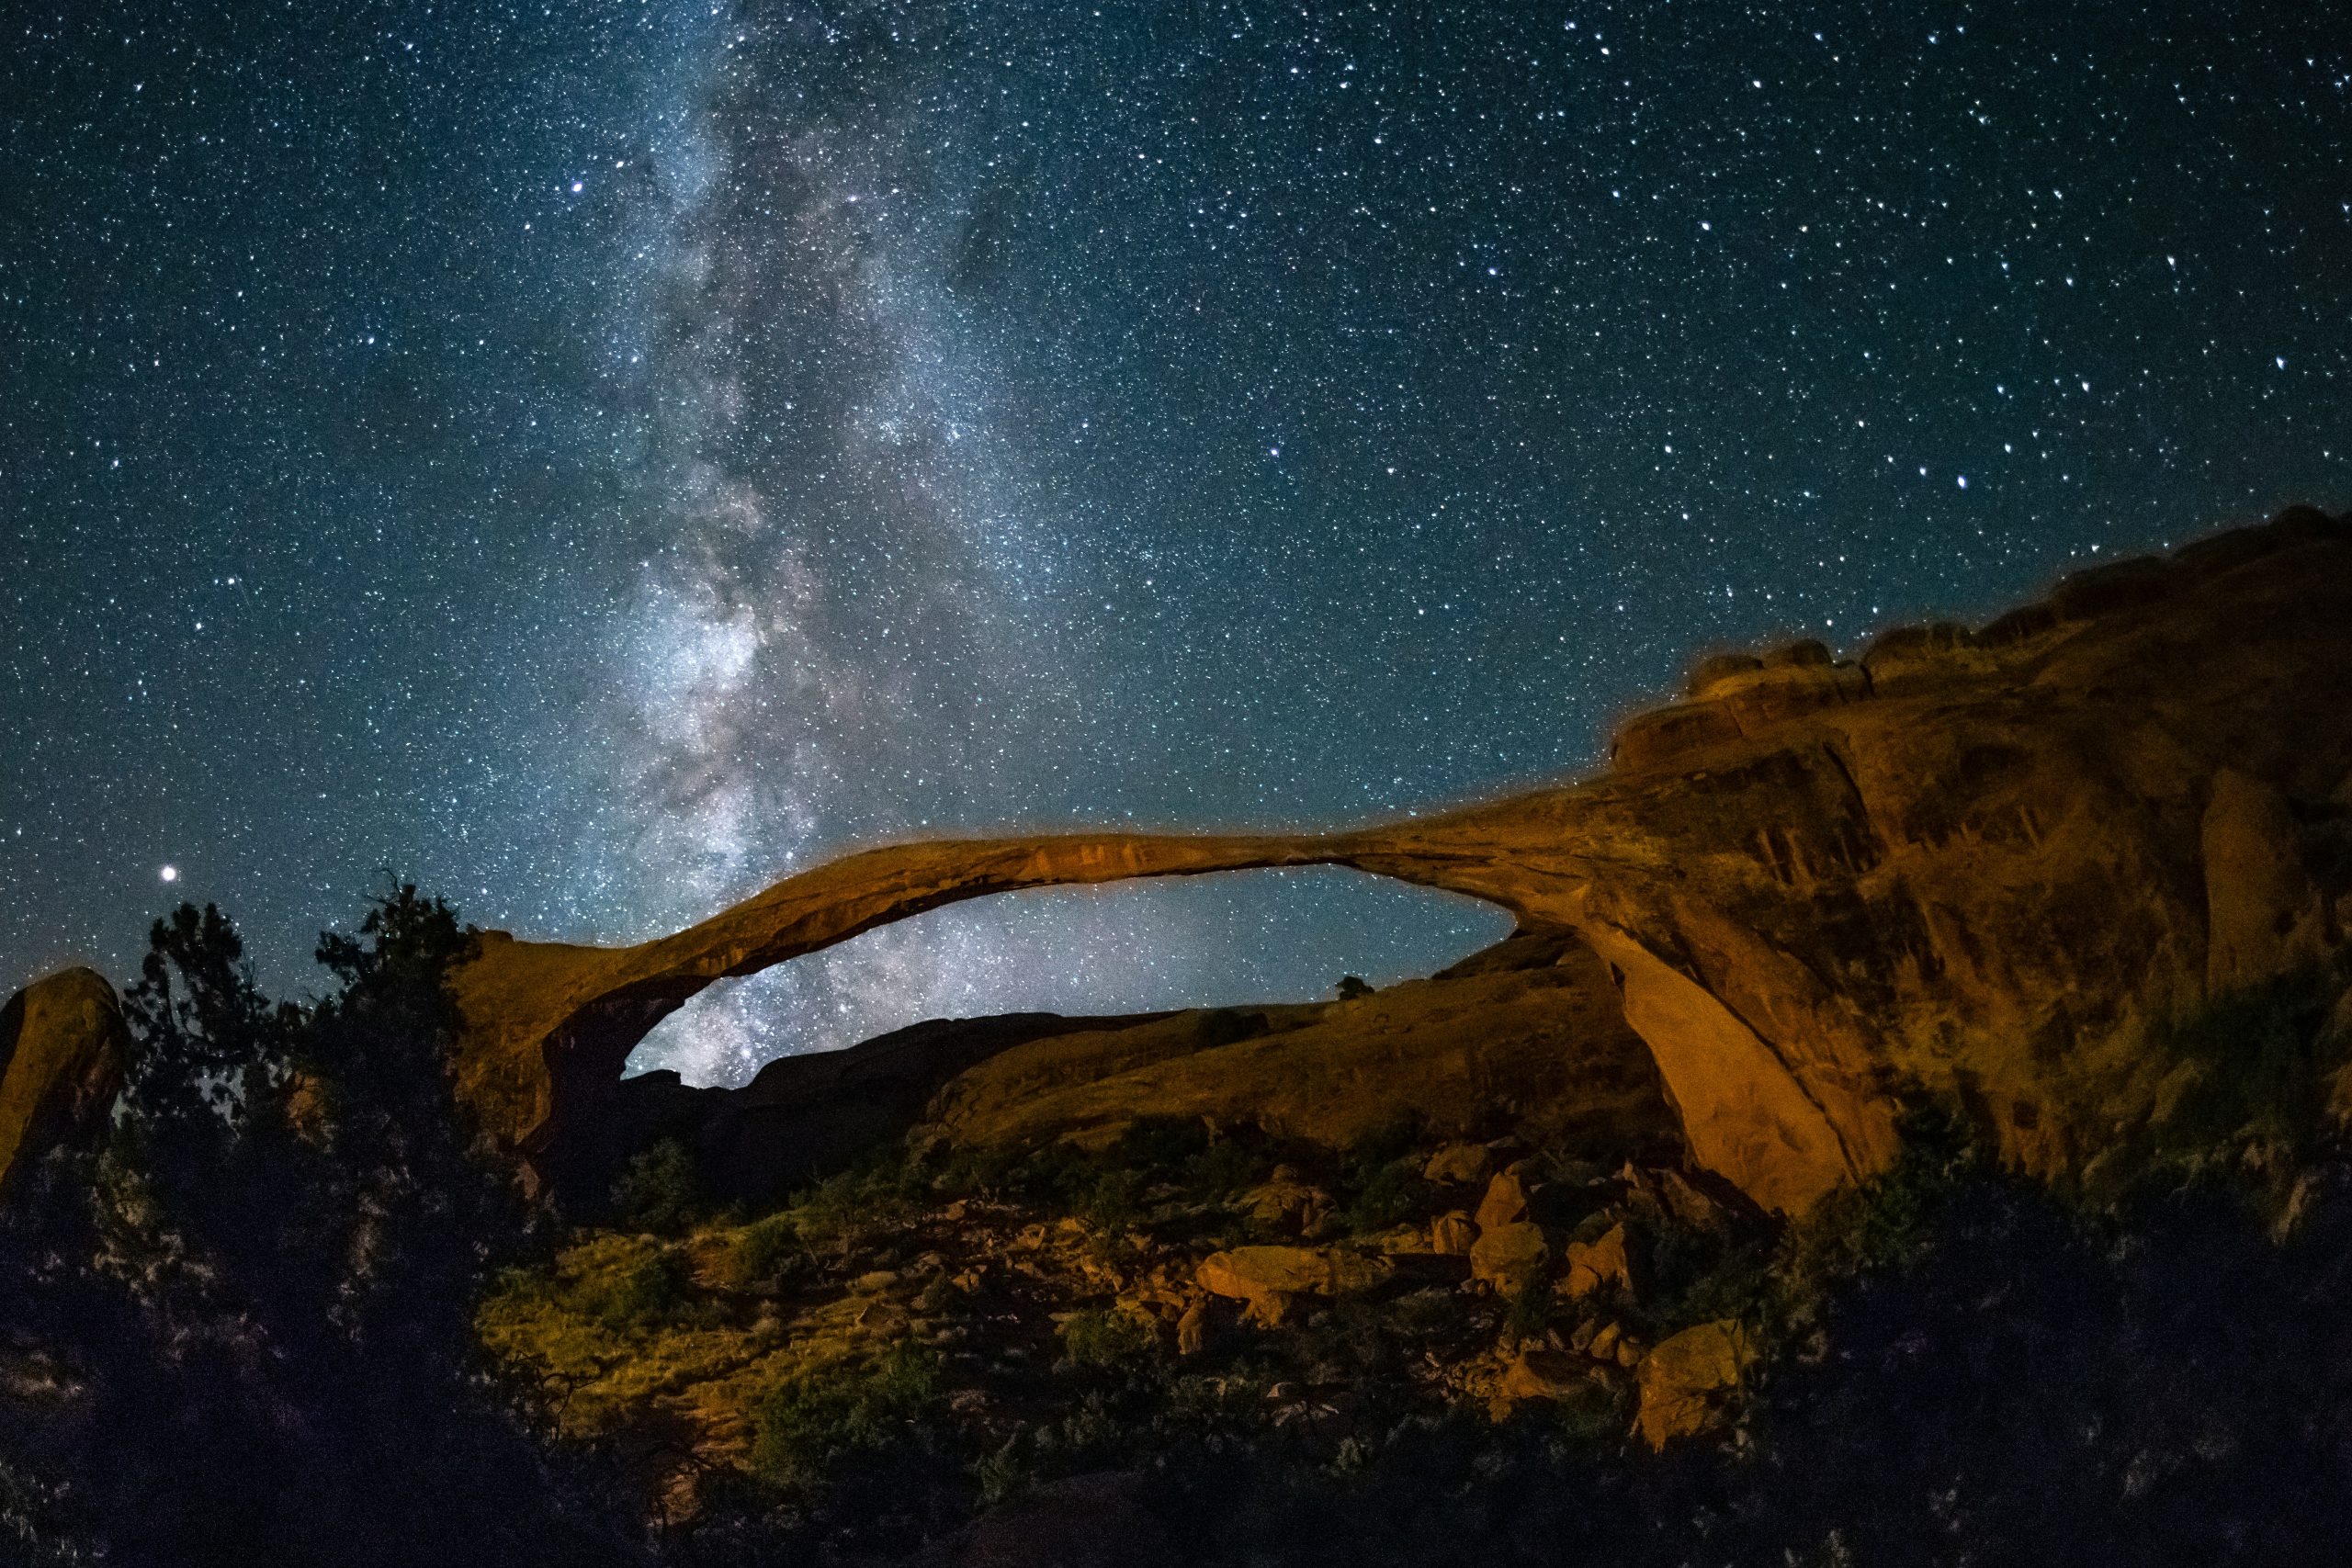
<point>1266,1278</point>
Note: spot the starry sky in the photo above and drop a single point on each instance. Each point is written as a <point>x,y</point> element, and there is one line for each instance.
<point>593,458</point>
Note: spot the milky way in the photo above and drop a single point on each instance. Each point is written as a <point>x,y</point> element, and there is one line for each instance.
<point>595,459</point>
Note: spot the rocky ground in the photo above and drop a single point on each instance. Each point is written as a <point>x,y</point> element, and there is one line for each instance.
<point>1025,1317</point>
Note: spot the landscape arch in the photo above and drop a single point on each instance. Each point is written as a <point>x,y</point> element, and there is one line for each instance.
<point>550,1026</point>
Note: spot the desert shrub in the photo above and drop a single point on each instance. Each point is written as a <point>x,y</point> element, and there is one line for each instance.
<point>1529,1311</point>
<point>1888,1223</point>
<point>2246,1070</point>
<point>1110,1201</point>
<point>650,1291</point>
<point>1391,1194</point>
<point>1107,1339</point>
<point>1224,1168</point>
<point>814,1424</point>
<point>760,1250</point>
<point>1432,1310</point>
<point>1159,1142</point>
<point>1344,1342</point>
<point>658,1190</point>
<point>849,1208</point>
<point>1390,1140</point>
<point>962,1171</point>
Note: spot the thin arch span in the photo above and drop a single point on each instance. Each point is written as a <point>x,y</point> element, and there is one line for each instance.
<point>549,1026</point>
<point>547,1022</point>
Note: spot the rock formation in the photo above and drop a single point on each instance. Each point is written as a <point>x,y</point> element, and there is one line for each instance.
<point>1987,863</point>
<point>62,1055</point>
<point>1983,863</point>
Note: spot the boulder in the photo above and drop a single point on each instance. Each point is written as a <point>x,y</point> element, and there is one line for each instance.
<point>1458,1164</point>
<point>62,1052</point>
<point>1453,1235</point>
<point>1508,1257</point>
<point>1715,667</point>
<point>1600,1264</point>
<point>1505,1202</point>
<point>1689,1379</point>
<point>1285,1202</point>
<point>1686,1204</point>
<point>1544,1374</point>
<point>1191,1330</point>
<point>1672,735</point>
<point>1267,1279</point>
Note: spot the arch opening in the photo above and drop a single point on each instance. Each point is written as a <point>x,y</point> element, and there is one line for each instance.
<point>1222,939</point>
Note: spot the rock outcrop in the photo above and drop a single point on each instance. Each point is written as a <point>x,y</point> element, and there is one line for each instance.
<point>62,1048</point>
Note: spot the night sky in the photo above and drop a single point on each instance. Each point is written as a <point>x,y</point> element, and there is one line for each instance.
<point>593,458</point>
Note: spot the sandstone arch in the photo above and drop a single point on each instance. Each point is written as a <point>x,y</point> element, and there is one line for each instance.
<point>551,1024</point>
<point>1977,862</point>
<point>1813,882</point>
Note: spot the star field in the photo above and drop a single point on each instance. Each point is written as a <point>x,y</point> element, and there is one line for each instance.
<point>597,459</point>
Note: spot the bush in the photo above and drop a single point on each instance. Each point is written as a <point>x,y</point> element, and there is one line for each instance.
<point>1887,1223</point>
<point>1529,1309</point>
<point>1390,1195</point>
<point>762,1249</point>
<point>813,1424</point>
<point>852,1208</point>
<point>1111,1203</point>
<point>659,1191</point>
<point>1107,1339</point>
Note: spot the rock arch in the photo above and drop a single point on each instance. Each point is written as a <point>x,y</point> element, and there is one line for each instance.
<point>550,1025</point>
<point>1813,882</point>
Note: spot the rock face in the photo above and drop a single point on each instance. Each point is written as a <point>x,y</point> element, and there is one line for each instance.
<point>62,1047</point>
<point>802,1117</point>
<point>1544,1047</point>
